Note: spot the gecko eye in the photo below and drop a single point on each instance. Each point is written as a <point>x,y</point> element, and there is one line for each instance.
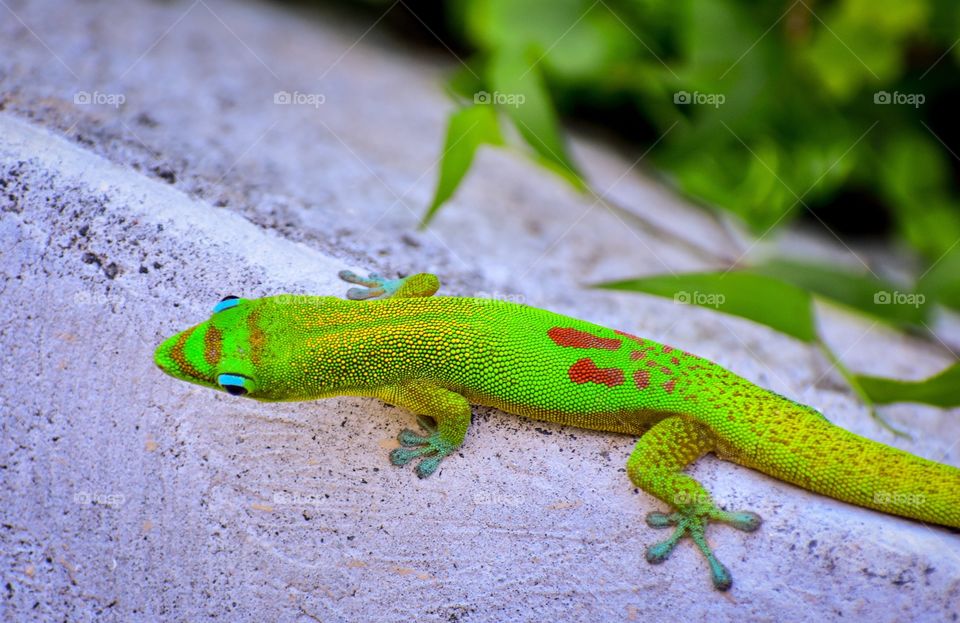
<point>234,384</point>
<point>226,303</point>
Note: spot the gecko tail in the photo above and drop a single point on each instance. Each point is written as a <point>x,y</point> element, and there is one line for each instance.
<point>807,450</point>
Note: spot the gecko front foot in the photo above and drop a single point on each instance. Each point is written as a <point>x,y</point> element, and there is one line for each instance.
<point>431,447</point>
<point>693,521</point>
<point>378,287</point>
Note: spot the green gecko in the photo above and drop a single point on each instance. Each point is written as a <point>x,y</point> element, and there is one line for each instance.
<point>435,356</point>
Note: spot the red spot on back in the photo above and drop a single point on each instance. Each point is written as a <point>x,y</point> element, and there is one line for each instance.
<point>641,378</point>
<point>637,355</point>
<point>667,349</point>
<point>630,336</point>
<point>575,338</point>
<point>585,371</point>
<point>675,361</point>
<point>668,386</point>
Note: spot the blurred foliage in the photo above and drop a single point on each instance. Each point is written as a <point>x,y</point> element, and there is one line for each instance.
<point>791,95</point>
<point>765,110</point>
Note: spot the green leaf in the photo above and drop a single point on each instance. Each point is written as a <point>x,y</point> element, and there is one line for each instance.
<point>915,178</point>
<point>861,42</point>
<point>864,293</point>
<point>941,390</point>
<point>581,39</point>
<point>519,89</point>
<point>914,168</point>
<point>942,280</point>
<point>464,81</point>
<point>766,300</point>
<point>467,129</point>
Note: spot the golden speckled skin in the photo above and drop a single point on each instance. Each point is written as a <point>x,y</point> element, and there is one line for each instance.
<point>436,355</point>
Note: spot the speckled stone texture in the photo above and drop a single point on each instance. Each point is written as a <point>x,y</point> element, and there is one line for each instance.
<point>146,171</point>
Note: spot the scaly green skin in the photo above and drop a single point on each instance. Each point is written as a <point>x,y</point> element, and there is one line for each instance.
<point>437,355</point>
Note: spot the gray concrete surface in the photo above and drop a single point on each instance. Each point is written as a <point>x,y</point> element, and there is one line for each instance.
<point>129,496</point>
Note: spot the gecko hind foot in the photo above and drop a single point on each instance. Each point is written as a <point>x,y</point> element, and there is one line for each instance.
<point>430,447</point>
<point>694,523</point>
<point>376,286</point>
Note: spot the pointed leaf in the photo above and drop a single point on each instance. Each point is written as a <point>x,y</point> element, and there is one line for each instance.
<point>942,280</point>
<point>941,390</point>
<point>519,90</point>
<point>865,293</point>
<point>467,129</point>
<point>766,300</point>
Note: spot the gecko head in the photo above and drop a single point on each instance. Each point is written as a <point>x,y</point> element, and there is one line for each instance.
<point>221,352</point>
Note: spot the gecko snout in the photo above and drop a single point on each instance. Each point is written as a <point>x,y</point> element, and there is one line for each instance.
<point>180,357</point>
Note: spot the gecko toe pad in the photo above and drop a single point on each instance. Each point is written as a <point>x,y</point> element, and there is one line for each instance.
<point>745,521</point>
<point>430,447</point>
<point>693,522</point>
<point>376,286</point>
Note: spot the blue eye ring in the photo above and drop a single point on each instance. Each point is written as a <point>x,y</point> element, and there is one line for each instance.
<point>234,384</point>
<point>226,303</point>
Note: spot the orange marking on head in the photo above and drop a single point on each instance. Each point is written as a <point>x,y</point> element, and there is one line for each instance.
<point>585,371</point>
<point>575,338</point>
<point>258,338</point>
<point>178,356</point>
<point>211,345</point>
<point>669,385</point>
